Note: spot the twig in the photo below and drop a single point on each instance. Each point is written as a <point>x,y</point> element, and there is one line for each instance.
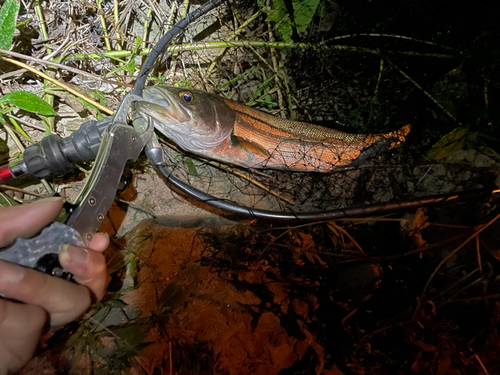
<point>7,187</point>
<point>116,13</point>
<point>12,74</point>
<point>28,124</point>
<point>274,60</point>
<point>481,364</point>
<point>18,128</point>
<point>41,22</point>
<point>478,253</point>
<point>478,231</point>
<point>381,69</point>
<point>397,37</point>
<point>146,26</point>
<point>424,91</point>
<point>238,31</point>
<point>56,52</point>
<point>48,120</point>
<point>6,199</point>
<point>59,83</point>
<point>475,299</point>
<point>350,237</point>
<point>47,63</point>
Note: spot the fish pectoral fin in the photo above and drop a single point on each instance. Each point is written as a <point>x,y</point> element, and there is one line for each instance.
<point>250,146</point>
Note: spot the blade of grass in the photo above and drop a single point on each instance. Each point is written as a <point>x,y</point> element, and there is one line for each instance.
<point>17,126</point>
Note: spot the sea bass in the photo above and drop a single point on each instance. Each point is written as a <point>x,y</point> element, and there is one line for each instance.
<point>215,128</point>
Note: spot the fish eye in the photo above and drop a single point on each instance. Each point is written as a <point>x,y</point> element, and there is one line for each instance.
<point>187,96</point>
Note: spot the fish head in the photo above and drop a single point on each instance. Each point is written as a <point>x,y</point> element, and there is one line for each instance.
<point>195,120</point>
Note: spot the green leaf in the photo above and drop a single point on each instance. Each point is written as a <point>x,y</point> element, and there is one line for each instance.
<point>6,201</point>
<point>29,102</point>
<point>284,28</point>
<point>452,142</point>
<point>138,42</point>
<point>321,9</point>
<point>98,96</point>
<point>303,12</point>
<point>191,167</point>
<point>283,23</point>
<point>8,15</point>
<point>131,66</point>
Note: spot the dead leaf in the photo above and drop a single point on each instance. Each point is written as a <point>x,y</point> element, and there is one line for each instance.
<point>426,347</point>
<point>444,365</point>
<point>412,224</point>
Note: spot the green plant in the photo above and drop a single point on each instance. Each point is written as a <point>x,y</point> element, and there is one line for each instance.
<point>286,20</point>
<point>22,99</point>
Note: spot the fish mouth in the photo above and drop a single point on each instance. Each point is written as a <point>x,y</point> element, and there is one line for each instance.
<point>160,105</point>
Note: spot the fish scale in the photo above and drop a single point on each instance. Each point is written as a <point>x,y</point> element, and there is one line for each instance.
<point>296,129</point>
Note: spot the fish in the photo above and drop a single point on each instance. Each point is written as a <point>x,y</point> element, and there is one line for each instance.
<point>216,128</point>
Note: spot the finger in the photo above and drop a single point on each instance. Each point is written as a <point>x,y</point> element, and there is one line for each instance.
<point>19,321</point>
<point>100,242</point>
<point>20,327</point>
<point>88,267</point>
<point>27,220</point>
<point>62,300</point>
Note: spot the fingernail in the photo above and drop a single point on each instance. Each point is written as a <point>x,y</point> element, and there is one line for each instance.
<point>10,273</point>
<point>74,255</point>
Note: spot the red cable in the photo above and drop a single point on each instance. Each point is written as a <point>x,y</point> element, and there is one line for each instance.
<point>5,174</point>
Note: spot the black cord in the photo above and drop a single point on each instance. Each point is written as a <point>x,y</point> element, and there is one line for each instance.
<point>243,212</point>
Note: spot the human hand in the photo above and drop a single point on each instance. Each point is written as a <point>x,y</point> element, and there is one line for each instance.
<point>46,301</point>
